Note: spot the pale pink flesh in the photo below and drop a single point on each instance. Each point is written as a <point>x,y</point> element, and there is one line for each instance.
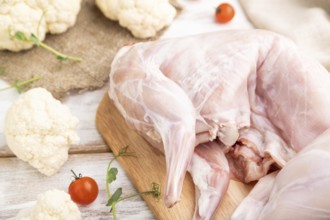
<point>254,203</point>
<point>210,172</point>
<point>300,190</point>
<point>182,92</point>
<point>160,103</point>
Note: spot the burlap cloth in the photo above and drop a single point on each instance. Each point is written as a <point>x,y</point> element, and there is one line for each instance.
<point>94,38</point>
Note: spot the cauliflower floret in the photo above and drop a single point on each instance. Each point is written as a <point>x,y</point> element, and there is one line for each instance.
<point>59,14</point>
<point>144,18</point>
<point>34,16</point>
<point>51,205</point>
<point>39,130</point>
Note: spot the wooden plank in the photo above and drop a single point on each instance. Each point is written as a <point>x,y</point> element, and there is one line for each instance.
<point>20,184</point>
<point>149,166</point>
<point>76,149</point>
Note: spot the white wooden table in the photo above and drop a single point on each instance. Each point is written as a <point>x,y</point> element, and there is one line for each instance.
<point>20,183</point>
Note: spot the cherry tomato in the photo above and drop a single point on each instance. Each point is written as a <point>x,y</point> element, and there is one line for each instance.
<point>83,190</point>
<point>224,13</point>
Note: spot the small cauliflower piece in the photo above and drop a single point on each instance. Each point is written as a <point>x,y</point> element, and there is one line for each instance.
<point>39,130</point>
<point>34,16</point>
<point>59,14</point>
<point>144,18</point>
<point>51,205</point>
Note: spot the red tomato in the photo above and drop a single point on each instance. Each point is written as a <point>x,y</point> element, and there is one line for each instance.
<point>83,190</point>
<point>224,13</point>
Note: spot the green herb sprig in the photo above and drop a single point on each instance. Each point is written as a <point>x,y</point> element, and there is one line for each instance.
<point>20,85</point>
<point>2,71</point>
<point>116,197</point>
<point>21,36</point>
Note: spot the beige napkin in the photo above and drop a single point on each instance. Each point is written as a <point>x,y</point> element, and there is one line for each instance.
<point>307,22</point>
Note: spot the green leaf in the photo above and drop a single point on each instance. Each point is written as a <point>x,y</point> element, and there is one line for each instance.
<point>156,191</point>
<point>20,36</point>
<point>123,151</point>
<point>112,174</point>
<point>35,39</point>
<point>114,198</point>
<point>62,58</point>
<point>18,87</point>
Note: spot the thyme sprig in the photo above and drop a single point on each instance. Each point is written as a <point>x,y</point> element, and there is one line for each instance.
<point>117,197</point>
<point>2,71</point>
<point>21,36</point>
<point>20,85</point>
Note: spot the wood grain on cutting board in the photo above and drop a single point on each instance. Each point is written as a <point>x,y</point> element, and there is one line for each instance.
<point>149,167</point>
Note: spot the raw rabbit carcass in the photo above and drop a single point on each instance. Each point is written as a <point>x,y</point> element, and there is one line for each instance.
<point>300,190</point>
<point>249,96</point>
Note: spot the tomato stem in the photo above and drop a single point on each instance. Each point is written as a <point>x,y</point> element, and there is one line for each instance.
<point>75,175</point>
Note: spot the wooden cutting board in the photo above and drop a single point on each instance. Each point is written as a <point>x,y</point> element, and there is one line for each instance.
<point>149,166</point>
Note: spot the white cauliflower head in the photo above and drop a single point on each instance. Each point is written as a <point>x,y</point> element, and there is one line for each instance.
<point>144,18</point>
<point>51,205</point>
<point>39,130</point>
<point>34,16</point>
